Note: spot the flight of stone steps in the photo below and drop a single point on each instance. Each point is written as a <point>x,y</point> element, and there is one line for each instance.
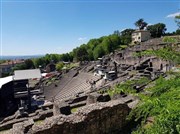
<point>76,85</point>
<point>52,91</point>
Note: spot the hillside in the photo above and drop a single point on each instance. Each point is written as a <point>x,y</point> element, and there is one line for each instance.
<point>136,80</point>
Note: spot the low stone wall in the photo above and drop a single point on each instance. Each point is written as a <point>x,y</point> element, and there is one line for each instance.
<point>98,118</point>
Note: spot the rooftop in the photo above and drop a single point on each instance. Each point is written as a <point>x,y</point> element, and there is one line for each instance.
<point>27,74</point>
<point>12,62</point>
<point>140,31</point>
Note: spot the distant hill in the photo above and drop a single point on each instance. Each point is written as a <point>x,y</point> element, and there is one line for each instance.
<point>20,57</point>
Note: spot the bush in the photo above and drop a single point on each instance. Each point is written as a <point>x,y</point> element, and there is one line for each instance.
<point>163,105</point>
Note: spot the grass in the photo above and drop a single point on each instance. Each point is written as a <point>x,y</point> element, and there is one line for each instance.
<point>38,122</point>
<point>4,131</point>
<point>123,46</point>
<point>73,110</point>
<point>127,87</point>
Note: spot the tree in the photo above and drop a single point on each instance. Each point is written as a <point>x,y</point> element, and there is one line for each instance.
<point>90,54</point>
<point>98,52</point>
<point>178,32</point>
<point>29,64</point>
<point>19,67</point>
<point>157,30</point>
<point>126,36</point>
<point>141,24</point>
<point>93,43</point>
<point>59,66</point>
<point>54,58</point>
<point>116,32</point>
<point>127,32</point>
<point>82,54</point>
<point>39,62</point>
<point>107,45</point>
<point>177,20</point>
<point>115,41</point>
<point>65,57</point>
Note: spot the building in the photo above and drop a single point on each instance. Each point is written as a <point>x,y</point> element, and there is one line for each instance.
<point>17,90</point>
<point>140,36</point>
<point>8,104</point>
<point>6,67</point>
<point>27,83</point>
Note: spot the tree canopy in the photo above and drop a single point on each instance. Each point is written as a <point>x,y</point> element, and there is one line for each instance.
<point>177,20</point>
<point>157,30</point>
<point>141,24</point>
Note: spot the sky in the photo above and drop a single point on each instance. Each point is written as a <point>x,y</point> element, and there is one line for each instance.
<point>31,27</point>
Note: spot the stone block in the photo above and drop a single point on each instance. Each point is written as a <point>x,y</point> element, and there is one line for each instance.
<point>105,98</point>
<point>47,105</point>
<point>18,128</point>
<point>61,108</point>
<point>93,98</point>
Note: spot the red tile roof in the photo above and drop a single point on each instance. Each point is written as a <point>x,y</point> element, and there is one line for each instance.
<point>12,62</point>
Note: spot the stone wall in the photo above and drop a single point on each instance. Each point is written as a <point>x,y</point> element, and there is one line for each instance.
<point>98,118</point>
<point>160,64</point>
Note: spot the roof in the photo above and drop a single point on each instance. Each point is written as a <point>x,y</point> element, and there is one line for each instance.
<point>27,74</point>
<point>137,31</point>
<point>5,80</point>
<point>13,62</point>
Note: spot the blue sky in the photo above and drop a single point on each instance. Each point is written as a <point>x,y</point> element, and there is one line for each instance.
<point>31,27</point>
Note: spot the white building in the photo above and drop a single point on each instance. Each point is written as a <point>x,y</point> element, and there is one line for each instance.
<point>140,36</point>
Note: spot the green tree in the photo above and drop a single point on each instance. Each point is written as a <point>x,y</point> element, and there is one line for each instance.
<point>59,66</point>
<point>177,20</point>
<point>90,54</point>
<point>47,59</point>
<point>82,54</point>
<point>116,32</point>
<point>126,36</point>
<point>19,67</point>
<point>65,57</point>
<point>157,30</point>
<point>93,43</point>
<point>127,32</point>
<point>29,64</point>
<point>178,32</point>
<point>115,41</point>
<point>98,52</point>
<point>39,62</point>
<point>141,24</point>
<point>54,58</point>
<point>107,45</point>
<point>2,61</point>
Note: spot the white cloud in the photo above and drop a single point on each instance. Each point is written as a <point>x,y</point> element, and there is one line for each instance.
<point>173,15</point>
<point>82,39</point>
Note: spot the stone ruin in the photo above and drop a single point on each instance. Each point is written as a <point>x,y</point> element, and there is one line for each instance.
<point>96,112</point>
<point>88,106</point>
<point>102,117</point>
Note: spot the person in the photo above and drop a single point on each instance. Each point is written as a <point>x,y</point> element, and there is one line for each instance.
<point>94,83</point>
<point>91,83</point>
